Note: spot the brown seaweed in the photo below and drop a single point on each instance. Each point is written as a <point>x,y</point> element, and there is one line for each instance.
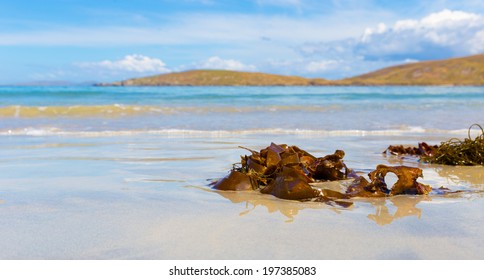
<point>406,183</point>
<point>460,152</point>
<point>272,160</point>
<point>329,168</point>
<point>235,181</point>
<point>423,149</point>
<point>287,172</point>
<point>291,184</point>
<point>362,188</point>
<point>451,152</point>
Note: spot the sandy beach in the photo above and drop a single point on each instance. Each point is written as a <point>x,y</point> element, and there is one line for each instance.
<point>147,197</point>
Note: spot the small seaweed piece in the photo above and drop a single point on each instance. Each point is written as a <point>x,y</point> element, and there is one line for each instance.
<point>235,181</point>
<point>362,188</point>
<point>329,168</point>
<point>407,179</point>
<point>406,183</point>
<point>423,149</point>
<point>290,184</point>
<point>460,152</point>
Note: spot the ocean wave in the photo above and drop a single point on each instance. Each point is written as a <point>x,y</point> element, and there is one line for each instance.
<point>78,111</point>
<point>130,110</point>
<point>52,131</point>
<point>119,110</point>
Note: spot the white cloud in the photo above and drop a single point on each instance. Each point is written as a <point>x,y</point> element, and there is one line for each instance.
<point>130,63</point>
<point>216,62</point>
<point>477,43</point>
<point>445,33</point>
<point>451,19</point>
<point>436,36</point>
<point>380,29</point>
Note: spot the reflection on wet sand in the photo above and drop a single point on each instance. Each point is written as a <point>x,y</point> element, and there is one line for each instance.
<point>473,175</point>
<point>287,208</point>
<point>405,207</point>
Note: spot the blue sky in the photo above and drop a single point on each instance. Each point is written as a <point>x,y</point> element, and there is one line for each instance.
<point>108,40</point>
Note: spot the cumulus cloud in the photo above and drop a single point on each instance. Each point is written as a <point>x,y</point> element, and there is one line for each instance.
<point>216,62</point>
<point>442,34</point>
<point>130,63</point>
<point>438,35</point>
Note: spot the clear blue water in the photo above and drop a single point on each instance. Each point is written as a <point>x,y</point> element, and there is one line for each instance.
<point>241,108</point>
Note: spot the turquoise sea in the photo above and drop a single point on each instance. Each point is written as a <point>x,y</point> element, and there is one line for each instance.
<point>122,173</point>
<point>288,109</point>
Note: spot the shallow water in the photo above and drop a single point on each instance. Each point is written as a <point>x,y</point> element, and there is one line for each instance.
<point>78,188</point>
<point>34,110</point>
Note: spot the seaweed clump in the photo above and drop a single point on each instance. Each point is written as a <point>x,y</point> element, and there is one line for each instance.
<point>451,152</point>
<point>460,152</point>
<point>287,172</point>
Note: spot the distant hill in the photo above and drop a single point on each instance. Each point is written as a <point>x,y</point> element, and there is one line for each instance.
<point>455,71</point>
<point>220,78</point>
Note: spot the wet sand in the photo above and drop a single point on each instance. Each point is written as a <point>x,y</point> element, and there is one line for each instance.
<point>146,197</point>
